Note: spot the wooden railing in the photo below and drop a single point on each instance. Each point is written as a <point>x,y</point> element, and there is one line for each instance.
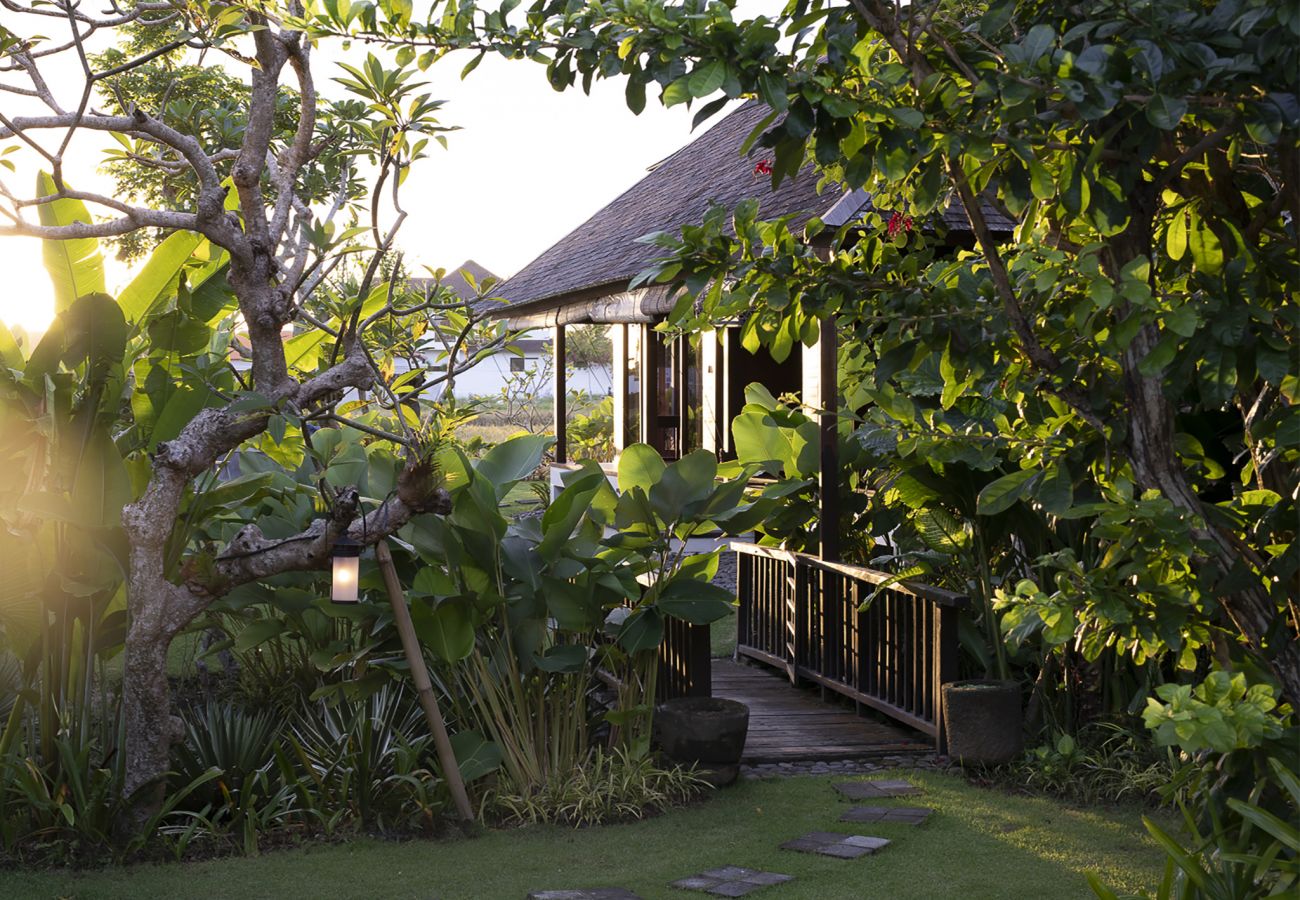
<point>685,666</point>
<point>804,615</point>
<point>685,662</point>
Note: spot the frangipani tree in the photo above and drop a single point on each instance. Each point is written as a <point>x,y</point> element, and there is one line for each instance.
<point>249,323</point>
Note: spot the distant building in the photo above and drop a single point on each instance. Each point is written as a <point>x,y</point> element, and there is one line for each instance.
<point>532,362</point>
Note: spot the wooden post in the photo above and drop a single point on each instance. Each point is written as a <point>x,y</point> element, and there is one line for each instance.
<point>945,669</point>
<point>619,388</point>
<point>821,392</point>
<point>561,396</point>
<point>423,685</point>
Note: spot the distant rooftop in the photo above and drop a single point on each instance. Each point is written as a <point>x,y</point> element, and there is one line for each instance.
<point>600,257</point>
<point>456,282</point>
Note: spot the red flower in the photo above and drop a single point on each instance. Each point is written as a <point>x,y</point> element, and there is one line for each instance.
<point>763,167</point>
<point>898,221</point>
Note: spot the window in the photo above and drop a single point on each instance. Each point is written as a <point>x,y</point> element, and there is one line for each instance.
<point>517,363</point>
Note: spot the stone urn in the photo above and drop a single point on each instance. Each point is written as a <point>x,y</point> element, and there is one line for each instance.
<point>983,722</point>
<point>708,732</point>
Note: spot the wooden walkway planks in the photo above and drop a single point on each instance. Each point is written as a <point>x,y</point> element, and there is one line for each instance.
<point>788,723</point>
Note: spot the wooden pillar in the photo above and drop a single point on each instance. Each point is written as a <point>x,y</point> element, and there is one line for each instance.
<point>821,392</point>
<point>713,427</point>
<point>619,374</point>
<point>946,649</point>
<point>649,386</point>
<point>561,396</point>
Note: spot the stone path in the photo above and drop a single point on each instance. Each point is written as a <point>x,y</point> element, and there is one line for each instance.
<point>832,843</point>
<point>731,881</point>
<point>738,881</point>
<point>585,894</point>
<point>874,790</point>
<point>791,768</point>
<point>899,815</point>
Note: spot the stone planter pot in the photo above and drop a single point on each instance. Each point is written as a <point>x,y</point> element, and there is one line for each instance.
<point>706,731</point>
<point>983,721</point>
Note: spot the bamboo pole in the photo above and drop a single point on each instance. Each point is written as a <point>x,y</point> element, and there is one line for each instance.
<point>423,685</point>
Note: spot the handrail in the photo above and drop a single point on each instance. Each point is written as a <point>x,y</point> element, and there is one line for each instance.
<point>936,595</point>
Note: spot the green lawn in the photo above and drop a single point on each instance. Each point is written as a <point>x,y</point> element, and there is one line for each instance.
<point>722,636</point>
<point>979,844</point>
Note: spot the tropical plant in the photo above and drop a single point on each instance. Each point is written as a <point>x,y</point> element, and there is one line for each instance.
<point>1246,852</point>
<point>365,760</point>
<point>609,786</point>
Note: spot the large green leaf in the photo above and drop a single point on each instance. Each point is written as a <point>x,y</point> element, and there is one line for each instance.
<point>563,515</point>
<point>90,332</point>
<point>512,460</point>
<point>779,449</point>
<point>258,632</point>
<point>476,756</point>
<point>639,466</point>
<point>103,486</point>
<point>643,630</point>
<point>698,602</point>
<point>76,266</point>
<point>571,606</point>
<point>1002,494</point>
<point>11,355</point>
<point>159,278</point>
<point>687,481</point>
<point>446,630</point>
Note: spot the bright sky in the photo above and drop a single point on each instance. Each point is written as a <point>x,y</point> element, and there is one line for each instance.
<point>529,165</point>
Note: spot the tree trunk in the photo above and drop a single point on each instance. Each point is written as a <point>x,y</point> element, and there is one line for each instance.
<point>151,729</point>
<point>1151,420</point>
<point>1157,467</point>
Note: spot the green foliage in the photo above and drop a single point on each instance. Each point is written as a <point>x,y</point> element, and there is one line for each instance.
<point>1104,764</point>
<point>591,434</point>
<point>365,761</point>
<point>1246,851</point>
<point>609,786</point>
<point>1220,714</point>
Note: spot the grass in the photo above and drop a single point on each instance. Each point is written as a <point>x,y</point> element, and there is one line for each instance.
<point>722,637</point>
<point>980,844</point>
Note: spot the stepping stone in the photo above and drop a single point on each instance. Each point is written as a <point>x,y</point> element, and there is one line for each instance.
<point>875,790</point>
<point>585,894</point>
<point>831,843</point>
<point>898,815</point>
<point>730,881</point>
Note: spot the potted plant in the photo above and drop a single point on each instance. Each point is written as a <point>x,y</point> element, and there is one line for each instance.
<point>708,732</point>
<point>983,722</point>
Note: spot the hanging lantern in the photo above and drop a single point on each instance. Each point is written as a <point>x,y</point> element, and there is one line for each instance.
<point>347,570</point>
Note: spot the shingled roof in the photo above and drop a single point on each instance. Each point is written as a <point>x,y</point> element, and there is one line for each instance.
<point>598,258</point>
<point>455,280</point>
<point>603,251</point>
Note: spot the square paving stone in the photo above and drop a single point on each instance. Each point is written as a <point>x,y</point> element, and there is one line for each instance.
<point>730,881</point>
<point>900,815</point>
<point>585,894</point>
<point>841,846</point>
<point>875,790</point>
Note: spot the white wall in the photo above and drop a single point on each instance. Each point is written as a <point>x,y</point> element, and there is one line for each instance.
<point>488,377</point>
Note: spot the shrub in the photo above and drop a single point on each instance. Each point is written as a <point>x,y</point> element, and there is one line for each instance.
<point>1105,763</point>
<point>609,786</point>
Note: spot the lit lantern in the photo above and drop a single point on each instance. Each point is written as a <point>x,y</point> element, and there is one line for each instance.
<point>347,570</point>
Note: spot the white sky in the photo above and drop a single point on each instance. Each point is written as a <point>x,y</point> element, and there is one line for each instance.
<point>529,165</point>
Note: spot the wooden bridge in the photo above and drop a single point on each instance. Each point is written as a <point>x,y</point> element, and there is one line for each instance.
<point>841,633</point>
